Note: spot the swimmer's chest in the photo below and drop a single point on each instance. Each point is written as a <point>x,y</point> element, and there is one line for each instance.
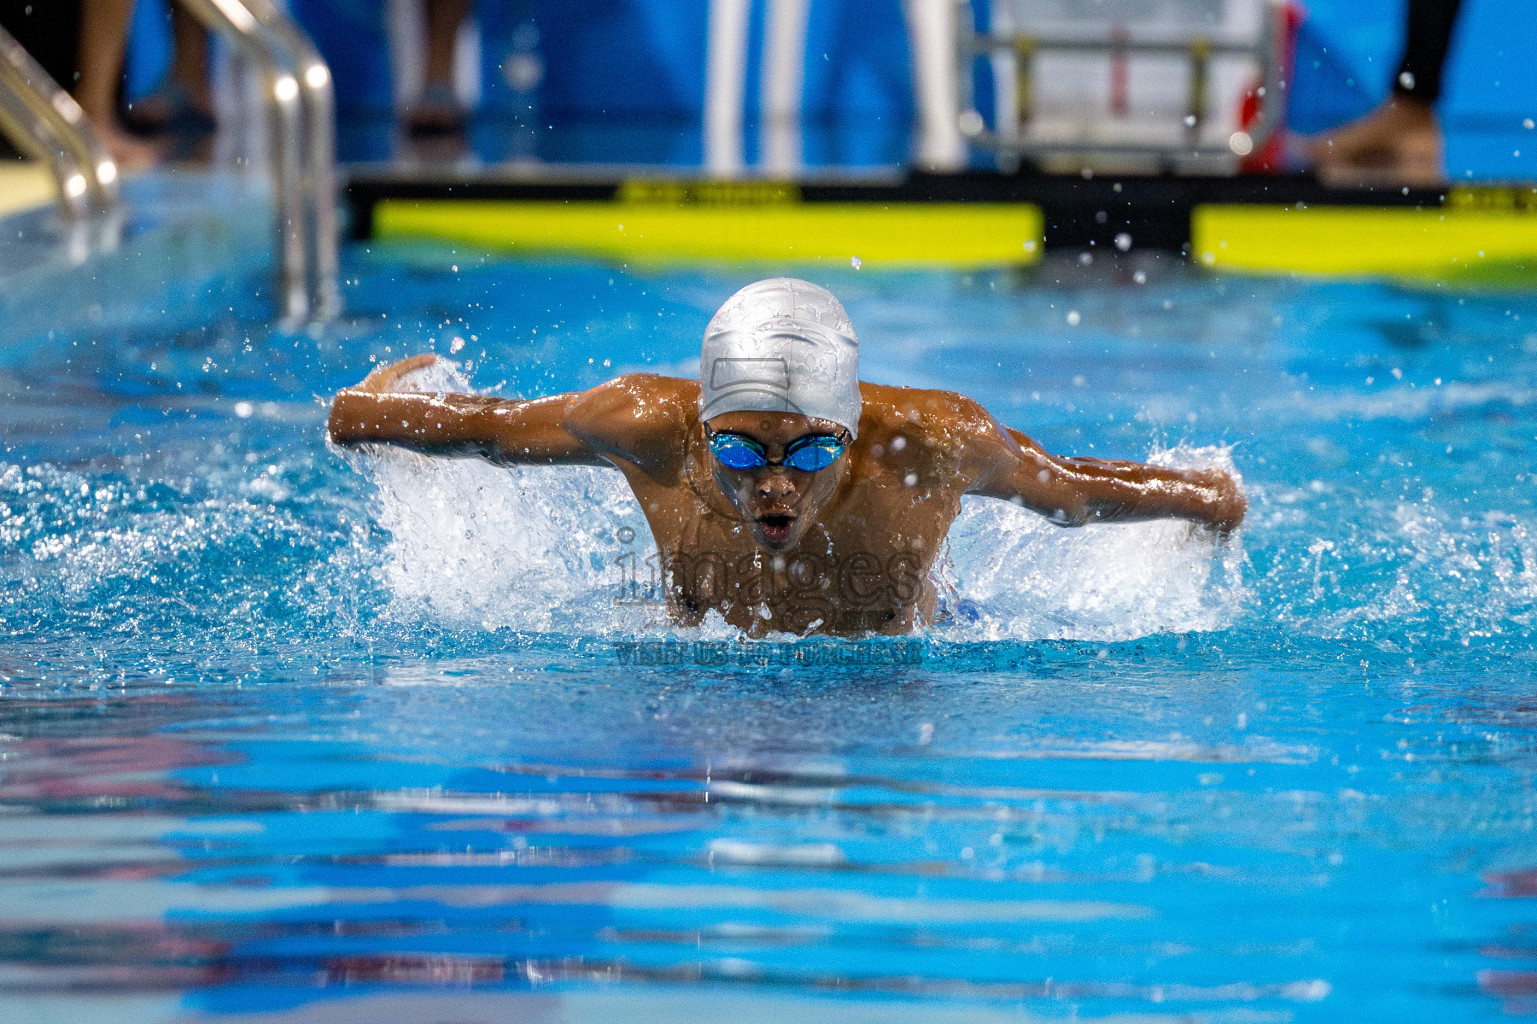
<point>863,567</point>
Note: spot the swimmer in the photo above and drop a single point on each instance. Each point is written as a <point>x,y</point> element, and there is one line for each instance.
<point>782,491</point>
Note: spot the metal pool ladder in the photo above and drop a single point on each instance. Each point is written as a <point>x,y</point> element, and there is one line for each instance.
<point>48,125</point>
<point>301,107</point>
<point>45,122</point>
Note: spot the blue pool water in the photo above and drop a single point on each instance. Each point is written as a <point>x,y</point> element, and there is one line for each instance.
<point>292,737</point>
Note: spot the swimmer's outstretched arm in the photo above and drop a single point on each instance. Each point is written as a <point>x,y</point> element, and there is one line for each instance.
<point>495,429</point>
<point>590,428</point>
<point>1073,491</point>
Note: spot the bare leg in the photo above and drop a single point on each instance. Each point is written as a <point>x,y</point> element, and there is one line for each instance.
<point>190,64</point>
<point>437,111</point>
<point>182,102</point>
<point>103,38</point>
<point>443,20</point>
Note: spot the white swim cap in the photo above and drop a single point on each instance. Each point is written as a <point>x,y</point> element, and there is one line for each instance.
<point>781,345</point>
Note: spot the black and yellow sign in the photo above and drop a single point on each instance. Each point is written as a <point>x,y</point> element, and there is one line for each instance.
<point>700,222</point>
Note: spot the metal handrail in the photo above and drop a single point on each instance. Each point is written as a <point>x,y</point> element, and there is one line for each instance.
<point>297,90</point>
<point>45,122</point>
<point>319,97</point>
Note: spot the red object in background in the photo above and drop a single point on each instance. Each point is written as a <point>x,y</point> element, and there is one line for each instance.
<point>1118,86</point>
<point>1271,157</point>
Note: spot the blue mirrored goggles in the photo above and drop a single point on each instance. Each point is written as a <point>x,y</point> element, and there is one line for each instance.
<point>807,454</point>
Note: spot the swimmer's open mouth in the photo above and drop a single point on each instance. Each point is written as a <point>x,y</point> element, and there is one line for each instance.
<point>776,528</point>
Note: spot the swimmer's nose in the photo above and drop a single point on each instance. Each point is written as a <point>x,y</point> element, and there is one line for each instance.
<point>775,483</point>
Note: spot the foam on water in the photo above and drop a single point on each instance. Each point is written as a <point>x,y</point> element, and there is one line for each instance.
<point>563,549</point>
<point>1407,572</point>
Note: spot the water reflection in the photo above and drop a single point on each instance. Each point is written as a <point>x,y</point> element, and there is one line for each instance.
<point>1515,987</point>
<point>228,847</point>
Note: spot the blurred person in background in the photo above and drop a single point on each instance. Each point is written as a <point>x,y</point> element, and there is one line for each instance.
<point>182,104</point>
<point>1401,140</point>
<point>437,110</point>
<point>103,41</point>
<point>80,43</point>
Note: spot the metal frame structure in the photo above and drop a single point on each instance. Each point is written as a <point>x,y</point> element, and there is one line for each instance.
<point>1010,146</point>
<point>47,124</point>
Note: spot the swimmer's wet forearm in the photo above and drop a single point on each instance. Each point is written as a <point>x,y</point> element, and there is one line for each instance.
<point>480,426</point>
<point>1077,491</point>
<point>417,421</point>
<point>1132,491</point>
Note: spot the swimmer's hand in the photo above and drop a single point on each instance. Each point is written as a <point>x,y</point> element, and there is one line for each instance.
<point>1227,504</point>
<point>384,378</point>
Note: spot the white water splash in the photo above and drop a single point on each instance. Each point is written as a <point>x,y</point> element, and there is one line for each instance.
<point>1016,576</point>
<point>563,549</point>
<point>532,548</point>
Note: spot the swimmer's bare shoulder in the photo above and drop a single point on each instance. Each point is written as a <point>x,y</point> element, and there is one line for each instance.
<point>640,418</point>
<point>910,434</point>
<point>946,440</point>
